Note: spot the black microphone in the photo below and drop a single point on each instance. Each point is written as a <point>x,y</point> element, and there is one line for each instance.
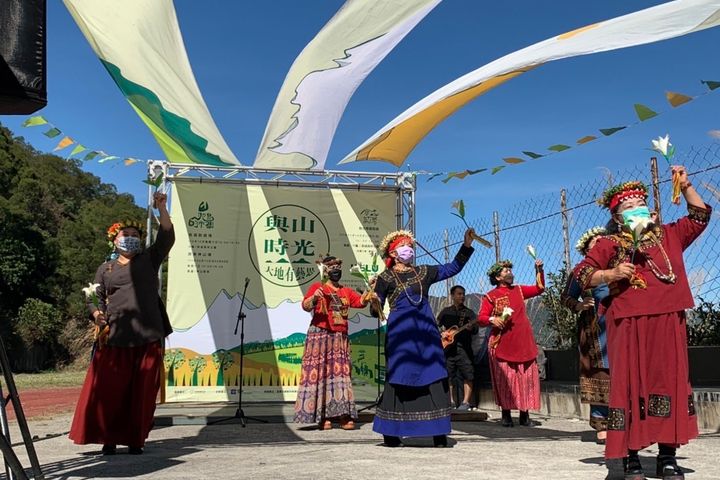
<point>247,281</point>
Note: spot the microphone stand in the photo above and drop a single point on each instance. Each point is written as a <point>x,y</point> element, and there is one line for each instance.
<point>239,413</point>
<point>380,318</point>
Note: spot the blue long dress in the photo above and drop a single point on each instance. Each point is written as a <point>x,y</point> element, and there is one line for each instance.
<point>415,401</point>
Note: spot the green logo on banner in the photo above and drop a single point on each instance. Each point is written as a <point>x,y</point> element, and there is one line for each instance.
<point>203,219</point>
<point>284,243</point>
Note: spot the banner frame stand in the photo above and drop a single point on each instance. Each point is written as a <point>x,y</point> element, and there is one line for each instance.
<point>403,183</point>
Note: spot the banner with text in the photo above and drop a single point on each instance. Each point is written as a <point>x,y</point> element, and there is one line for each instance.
<point>271,236</point>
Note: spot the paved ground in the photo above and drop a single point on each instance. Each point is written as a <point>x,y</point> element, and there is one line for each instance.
<point>555,449</point>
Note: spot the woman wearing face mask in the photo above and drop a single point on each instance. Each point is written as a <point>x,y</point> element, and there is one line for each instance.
<point>117,401</point>
<point>415,401</point>
<point>650,396</point>
<point>325,392</point>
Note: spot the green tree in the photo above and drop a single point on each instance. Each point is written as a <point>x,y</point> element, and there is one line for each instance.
<point>197,365</point>
<point>174,358</point>
<point>560,320</point>
<point>222,360</point>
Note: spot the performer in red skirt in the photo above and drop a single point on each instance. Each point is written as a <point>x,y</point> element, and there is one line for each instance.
<point>650,395</point>
<point>117,401</point>
<point>512,350</point>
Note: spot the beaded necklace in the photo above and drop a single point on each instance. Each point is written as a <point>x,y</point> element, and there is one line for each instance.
<point>409,283</point>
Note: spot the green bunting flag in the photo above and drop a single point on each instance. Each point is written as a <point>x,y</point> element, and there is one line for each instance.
<point>34,121</point>
<point>609,131</point>
<point>711,84</point>
<point>91,156</point>
<point>533,155</point>
<point>643,112</point>
<point>497,169</point>
<point>52,133</point>
<point>558,148</point>
<point>78,149</point>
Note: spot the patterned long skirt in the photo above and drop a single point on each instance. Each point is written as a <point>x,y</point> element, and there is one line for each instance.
<point>117,400</point>
<point>406,411</point>
<point>325,389</point>
<point>650,395</point>
<point>516,386</point>
<point>594,367</point>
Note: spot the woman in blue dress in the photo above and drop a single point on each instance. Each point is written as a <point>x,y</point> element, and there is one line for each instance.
<point>592,340</point>
<point>415,401</point>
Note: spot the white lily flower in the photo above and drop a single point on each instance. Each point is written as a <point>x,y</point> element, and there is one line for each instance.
<point>507,311</point>
<point>531,251</point>
<point>662,144</point>
<point>91,289</point>
<point>321,268</point>
<point>355,269</point>
<point>638,225</point>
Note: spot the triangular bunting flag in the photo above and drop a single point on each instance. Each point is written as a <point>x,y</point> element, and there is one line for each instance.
<point>513,160</point>
<point>130,161</point>
<point>711,84</point>
<point>558,148</point>
<point>586,139</point>
<point>34,121</point>
<point>433,176</point>
<point>52,133</point>
<point>449,177</point>
<point>676,99</point>
<point>91,155</point>
<point>714,133</point>
<point>609,131</point>
<point>108,158</point>
<point>65,142</point>
<point>643,112</point>
<point>533,155</point>
<point>474,172</point>
<point>78,149</point>
<point>497,169</point>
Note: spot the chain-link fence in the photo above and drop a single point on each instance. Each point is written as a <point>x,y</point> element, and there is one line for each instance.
<point>552,223</point>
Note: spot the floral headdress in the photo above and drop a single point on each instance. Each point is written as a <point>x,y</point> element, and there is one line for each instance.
<point>392,239</point>
<point>114,229</point>
<point>615,195</point>
<point>584,240</point>
<point>497,268</point>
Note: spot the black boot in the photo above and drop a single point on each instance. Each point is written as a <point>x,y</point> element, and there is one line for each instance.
<point>109,449</point>
<point>667,467</point>
<point>391,441</point>
<point>525,418</point>
<point>632,467</point>
<point>440,441</point>
<point>507,420</point>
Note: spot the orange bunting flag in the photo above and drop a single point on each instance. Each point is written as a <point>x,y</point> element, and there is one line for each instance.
<point>130,161</point>
<point>513,160</point>
<point>65,142</point>
<point>676,99</point>
<point>586,139</point>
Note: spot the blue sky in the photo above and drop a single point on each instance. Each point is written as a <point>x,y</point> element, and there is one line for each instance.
<point>241,51</point>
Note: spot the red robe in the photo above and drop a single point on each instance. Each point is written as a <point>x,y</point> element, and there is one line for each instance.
<point>516,342</point>
<point>650,395</point>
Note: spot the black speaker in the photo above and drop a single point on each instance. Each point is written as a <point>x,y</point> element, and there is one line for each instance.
<point>23,74</point>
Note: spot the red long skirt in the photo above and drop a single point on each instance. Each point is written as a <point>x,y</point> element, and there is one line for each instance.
<point>650,395</point>
<point>516,386</point>
<point>117,401</point>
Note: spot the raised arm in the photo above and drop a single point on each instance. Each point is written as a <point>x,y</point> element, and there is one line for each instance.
<point>165,239</point>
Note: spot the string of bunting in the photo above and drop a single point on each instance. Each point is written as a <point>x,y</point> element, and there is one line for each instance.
<point>643,113</point>
<point>79,150</point>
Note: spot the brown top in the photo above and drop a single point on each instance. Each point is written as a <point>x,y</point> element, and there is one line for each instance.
<point>128,294</point>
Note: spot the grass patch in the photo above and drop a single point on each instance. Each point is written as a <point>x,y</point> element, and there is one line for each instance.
<point>50,379</point>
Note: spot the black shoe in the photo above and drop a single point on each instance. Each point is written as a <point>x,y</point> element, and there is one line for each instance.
<point>440,441</point>
<point>667,468</point>
<point>525,419</point>
<point>135,450</point>
<point>633,468</point>
<point>109,449</point>
<point>391,441</point>
<point>507,420</point>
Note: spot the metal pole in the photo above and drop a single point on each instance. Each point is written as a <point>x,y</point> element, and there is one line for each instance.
<point>6,432</point>
<point>447,260</point>
<point>496,231</point>
<point>656,187</point>
<point>565,226</point>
